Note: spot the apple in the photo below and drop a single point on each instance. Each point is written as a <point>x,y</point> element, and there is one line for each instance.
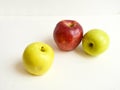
<point>38,58</point>
<point>68,34</point>
<point>95,42</point>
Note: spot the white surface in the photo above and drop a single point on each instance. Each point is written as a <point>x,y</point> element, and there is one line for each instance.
<point>59,7</point>
<point>71,70</point>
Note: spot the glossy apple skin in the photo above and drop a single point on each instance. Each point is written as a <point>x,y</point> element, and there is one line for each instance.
<point>68,34</point>
<point>38,58</point>
<point>95,42</point>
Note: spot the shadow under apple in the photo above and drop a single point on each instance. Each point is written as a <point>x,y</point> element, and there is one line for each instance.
<point>20,68</point>
<point>79,50</point>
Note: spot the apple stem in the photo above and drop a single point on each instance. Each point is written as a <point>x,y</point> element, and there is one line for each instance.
<point>42,49</point>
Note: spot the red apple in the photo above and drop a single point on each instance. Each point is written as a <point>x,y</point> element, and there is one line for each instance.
<point>68,34</point>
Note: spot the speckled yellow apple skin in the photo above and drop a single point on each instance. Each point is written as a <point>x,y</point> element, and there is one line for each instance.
<point>38,58</point>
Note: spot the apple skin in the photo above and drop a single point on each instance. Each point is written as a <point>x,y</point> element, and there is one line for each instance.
<point>95,42</point>
<point>68,34</point>
<point>38,58</point>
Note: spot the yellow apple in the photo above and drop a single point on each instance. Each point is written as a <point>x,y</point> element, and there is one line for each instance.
<point>38,58</point>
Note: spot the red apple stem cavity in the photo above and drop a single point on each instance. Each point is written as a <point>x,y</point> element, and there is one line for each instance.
<point>70,24</point>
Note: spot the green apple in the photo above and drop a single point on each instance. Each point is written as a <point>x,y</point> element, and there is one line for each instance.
<point>38,58</point>
<point>95,42</point>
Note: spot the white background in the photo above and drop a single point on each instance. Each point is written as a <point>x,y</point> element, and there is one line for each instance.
<point>25,21</point>
<point>59,7</point>
<point>71,70</point>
